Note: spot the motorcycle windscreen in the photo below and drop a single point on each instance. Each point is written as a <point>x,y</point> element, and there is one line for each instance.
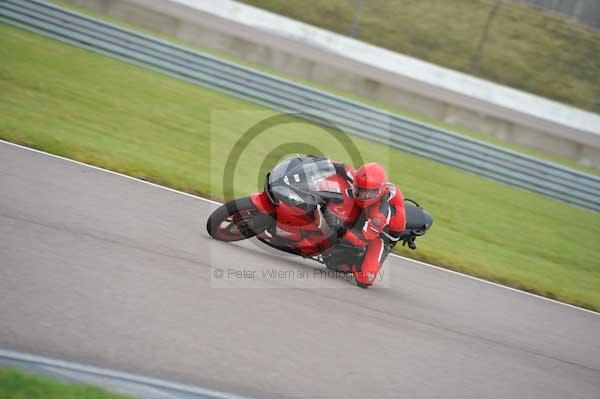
<point>299,180</point>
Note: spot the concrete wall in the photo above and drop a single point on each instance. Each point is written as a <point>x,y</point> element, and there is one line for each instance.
<point>317,55</point>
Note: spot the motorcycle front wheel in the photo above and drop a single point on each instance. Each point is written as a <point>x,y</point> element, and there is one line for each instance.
<point>231,221</point>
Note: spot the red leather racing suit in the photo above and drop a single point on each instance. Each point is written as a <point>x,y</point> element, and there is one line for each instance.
<point>377,229</point>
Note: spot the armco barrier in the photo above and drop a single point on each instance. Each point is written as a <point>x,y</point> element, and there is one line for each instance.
<point>416,138</point>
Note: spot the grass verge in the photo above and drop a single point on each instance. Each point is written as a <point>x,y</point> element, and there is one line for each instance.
<point>399,111</point>
<point>15,384</point>
<point>84,106</point>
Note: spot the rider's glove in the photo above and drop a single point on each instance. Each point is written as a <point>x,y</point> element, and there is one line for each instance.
<point>332,220</point>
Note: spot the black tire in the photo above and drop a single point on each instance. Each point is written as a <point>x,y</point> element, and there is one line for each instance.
<point>363,286</point>
<point>230,221</point>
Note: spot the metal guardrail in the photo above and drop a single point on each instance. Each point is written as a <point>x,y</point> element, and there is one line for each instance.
<point>426,141</point>
<point>112,380</point>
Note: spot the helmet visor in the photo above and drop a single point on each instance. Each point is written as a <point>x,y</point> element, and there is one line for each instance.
<point>365,194</point>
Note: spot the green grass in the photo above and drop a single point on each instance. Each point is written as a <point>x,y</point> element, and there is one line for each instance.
<point>81,105</point>
<point>18,385</point>
<point>402,112</point>
<point>528,49</point>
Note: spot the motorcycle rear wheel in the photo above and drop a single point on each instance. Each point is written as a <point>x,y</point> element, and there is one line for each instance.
<point>231,221</point>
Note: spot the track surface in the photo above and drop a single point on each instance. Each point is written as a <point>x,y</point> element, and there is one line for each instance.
<point>104,270</point>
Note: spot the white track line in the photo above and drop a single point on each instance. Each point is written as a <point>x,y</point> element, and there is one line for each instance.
<point>408,260</point>
<point>114,374</point>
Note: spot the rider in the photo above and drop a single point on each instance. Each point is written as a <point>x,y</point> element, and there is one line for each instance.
<point>380,222</point>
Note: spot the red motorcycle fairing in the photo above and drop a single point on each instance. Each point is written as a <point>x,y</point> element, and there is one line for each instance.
<point>262,202</point>
<point>299,230</point>
<point>303,232</point>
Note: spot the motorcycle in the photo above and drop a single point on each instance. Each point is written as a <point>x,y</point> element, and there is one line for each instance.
<point>294,213</point>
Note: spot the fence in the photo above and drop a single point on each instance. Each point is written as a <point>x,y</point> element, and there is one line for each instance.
<point>419,139</point>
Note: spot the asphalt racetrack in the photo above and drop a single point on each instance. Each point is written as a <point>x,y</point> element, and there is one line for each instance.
<point>108,271</point>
